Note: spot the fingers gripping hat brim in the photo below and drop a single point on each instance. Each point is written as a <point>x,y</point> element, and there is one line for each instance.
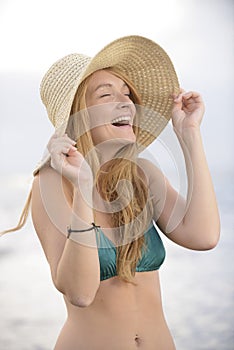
<point>140,60</point>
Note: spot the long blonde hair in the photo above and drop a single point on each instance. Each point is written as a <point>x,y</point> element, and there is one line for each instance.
<point>132,196</point>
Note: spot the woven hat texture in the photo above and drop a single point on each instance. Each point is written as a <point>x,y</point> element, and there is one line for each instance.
<point>140,59</point>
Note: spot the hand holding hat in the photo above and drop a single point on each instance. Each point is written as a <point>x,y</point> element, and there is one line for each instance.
<point>66,160</point>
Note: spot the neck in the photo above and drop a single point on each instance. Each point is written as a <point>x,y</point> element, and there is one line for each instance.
<point>109,150</point>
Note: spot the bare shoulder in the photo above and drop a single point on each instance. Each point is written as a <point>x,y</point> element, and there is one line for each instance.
<point>49,183</point>
<point>51,176</point>
<point>151,171</point>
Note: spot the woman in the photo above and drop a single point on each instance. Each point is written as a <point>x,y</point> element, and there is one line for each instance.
<point>96,204</point>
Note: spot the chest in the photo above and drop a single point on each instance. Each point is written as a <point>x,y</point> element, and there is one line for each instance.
<point>153,253</point>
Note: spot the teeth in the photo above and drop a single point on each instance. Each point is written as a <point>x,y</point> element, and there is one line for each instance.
<point>120,119</point>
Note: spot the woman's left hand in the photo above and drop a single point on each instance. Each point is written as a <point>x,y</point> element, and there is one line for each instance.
<point>187,111</point>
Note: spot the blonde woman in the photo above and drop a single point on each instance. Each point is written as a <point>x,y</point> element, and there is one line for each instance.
<point>96,204</point>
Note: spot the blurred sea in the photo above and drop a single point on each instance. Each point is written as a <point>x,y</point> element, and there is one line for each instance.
<point>197,287</point>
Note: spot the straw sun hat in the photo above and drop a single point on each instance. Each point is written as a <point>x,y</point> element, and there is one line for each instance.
<point>141,60</point>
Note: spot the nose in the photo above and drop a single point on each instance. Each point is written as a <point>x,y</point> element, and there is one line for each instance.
<point>123,101</point>
<point>124,105</point>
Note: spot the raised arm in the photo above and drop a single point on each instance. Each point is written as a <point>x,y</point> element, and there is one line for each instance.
<point>193,223</point>
<point>57,203</point>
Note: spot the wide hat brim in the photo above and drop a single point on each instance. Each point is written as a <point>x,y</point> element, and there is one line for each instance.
<point>142,61</point>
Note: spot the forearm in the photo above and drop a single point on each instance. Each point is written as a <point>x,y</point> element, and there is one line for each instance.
<point>201,213</point>
<point>78,272</point>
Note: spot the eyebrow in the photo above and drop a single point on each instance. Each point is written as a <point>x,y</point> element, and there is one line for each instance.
<point>108,85</point>
<point>102,85</point>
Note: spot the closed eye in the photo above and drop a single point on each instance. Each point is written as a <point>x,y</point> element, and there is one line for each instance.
<point>128,94</point>
<point>105,95</point>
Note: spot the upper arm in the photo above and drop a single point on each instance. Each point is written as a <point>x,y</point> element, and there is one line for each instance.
<point>51,212</point>
<point>170,211</point>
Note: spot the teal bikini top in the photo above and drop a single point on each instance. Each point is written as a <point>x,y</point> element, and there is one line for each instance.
<point>152,257</point>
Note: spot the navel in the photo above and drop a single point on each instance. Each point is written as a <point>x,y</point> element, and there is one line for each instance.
<point>137,340</point>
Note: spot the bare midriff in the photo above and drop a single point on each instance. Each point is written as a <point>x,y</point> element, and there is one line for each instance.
<point>123,316</point>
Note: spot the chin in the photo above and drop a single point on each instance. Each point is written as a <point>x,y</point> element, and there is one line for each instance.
<point>125,140</point>
<point>113,145</point>
<point>125,137</point>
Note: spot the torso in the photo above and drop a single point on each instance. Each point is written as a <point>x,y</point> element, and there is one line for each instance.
<point>123,316</point>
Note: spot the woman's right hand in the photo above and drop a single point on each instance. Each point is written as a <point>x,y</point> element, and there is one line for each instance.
<point>66,159</point>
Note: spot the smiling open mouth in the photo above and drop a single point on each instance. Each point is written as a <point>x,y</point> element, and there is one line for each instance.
<point>121,121</point>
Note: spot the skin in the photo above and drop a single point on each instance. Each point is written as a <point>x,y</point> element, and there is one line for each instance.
<point>113,314</point>
<point>108,97</point>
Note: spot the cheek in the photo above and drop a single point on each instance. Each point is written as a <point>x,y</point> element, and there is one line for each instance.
<point>99,116</point>
<point>100,134</point>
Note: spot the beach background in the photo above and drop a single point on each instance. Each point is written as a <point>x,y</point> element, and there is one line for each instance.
<point>197,287</point>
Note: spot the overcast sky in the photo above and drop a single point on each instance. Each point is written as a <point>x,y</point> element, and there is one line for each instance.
<point>198,35</point>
